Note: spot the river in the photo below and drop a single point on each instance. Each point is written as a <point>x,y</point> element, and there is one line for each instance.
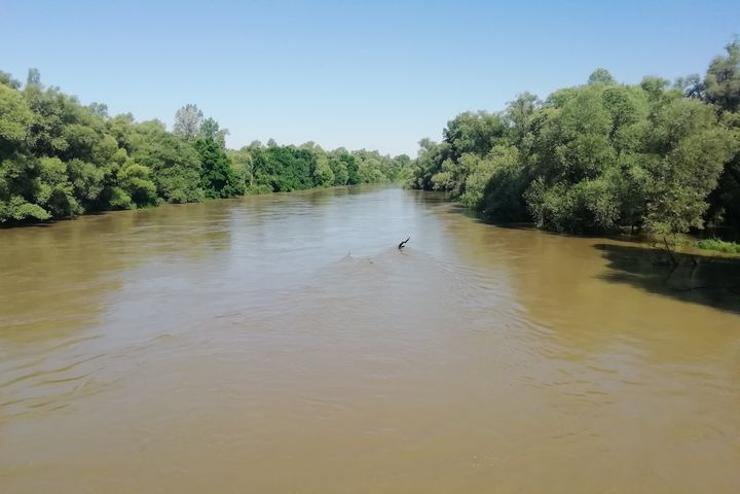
<point>282,343</point>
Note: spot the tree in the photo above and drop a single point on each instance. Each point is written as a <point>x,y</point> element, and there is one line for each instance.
<point>19,186</point>
<point>501,190</point>
<point>59,158</point>
<point>134,181</point>
<point>99,109</point>
<point>695,150</point>
<point>88,183</point>
<point>8,80</point>
<point>217,176</point>
<point>353,170</point>
<point>721,87</point>
<point>210,129</point>
<point>174,162</point>
<point>187,121</point>
<point>338,169</point>
<point>55,193</point>
<point>241,162</point>
<point>722,81</point>
<point>15,119</point>
<point>323,175</point>
<point>518,116</point>
<point>283,169</point>
<point>601,76</point>
<point>474,133</point>
<point>598,157</point>
<point>33,78</point>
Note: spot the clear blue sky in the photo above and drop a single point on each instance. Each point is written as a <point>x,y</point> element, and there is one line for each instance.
<point>376,74</point>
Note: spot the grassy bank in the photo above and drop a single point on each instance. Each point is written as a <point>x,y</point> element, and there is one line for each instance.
<point>719,245</point>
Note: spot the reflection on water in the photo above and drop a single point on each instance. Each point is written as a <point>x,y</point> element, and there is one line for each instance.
<point>699,278</point>
<point>283,344</point>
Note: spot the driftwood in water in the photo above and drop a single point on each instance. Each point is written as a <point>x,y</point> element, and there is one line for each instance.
<point>403,244</point>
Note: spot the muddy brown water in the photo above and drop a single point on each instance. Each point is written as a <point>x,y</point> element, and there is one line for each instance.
<point>283,344</point>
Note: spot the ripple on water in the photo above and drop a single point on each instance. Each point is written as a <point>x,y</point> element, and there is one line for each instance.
<point>237,340</point>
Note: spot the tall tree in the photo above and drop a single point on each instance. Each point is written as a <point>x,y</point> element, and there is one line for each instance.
<point>187,121</point>
<point>210,129</point>
<point>721,87</point>
<point>722,82</point>
<point>218,178</point>
<point>33,78</point>
<point>601,76</point>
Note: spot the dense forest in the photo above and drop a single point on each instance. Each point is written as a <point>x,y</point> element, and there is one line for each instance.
<point>59,159</point>
<point>655,157</point>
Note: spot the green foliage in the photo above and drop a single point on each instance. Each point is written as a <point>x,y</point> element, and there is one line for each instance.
<point>217,175</point>
<point>188,122</point>
<point>323,175</point>
<point>682,180</point>
<point>339,169</point>
<point>503,196</point>
<point>120,199</point>
<point>601,76</point>
<point>473,133</point>
<point>588,206</point>
<point>353,170</point>
<point>519,118</point>
<point>722,83</point>
<point>55,193</point>
<point>210,129</point>
<point>16,209</point>
<point>428,163</point>
<point>721,87</point>
<point>87,181</point>
<point>174,162</point>
<point>599,157</point>
<point>8,80</point>
<point>241,165</point>
<point>59,159</point>
<point>134,181</point>
<point>15,118</point>
<point>719,245</point>
<point>283,169</point>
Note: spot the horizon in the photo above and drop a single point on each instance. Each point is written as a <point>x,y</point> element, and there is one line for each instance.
<point>344,74</point>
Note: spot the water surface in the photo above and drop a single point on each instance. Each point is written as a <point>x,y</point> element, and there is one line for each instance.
<point>283,344</point>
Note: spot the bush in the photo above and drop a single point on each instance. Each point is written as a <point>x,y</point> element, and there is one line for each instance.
<point>719,245</point>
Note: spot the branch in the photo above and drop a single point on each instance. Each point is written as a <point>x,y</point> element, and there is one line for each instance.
<point>669,251</point>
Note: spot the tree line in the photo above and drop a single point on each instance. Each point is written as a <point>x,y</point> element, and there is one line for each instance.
<point>654,157</point>
<point>60,159</point>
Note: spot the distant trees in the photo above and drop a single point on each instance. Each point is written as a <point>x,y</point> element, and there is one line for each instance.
<point>59,159</point>
<point>599,157</point>
<point>276,168</point>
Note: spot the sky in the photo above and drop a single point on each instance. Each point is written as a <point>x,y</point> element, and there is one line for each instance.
<point>359,74</point>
